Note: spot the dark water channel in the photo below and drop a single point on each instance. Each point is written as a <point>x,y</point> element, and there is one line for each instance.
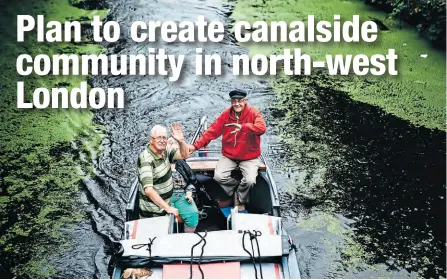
<point>363,192</point>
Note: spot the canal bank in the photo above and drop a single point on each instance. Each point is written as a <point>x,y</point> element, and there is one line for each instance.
<point>44,153</point>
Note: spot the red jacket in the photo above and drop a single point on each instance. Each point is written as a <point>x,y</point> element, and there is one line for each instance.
<point>242,145</point>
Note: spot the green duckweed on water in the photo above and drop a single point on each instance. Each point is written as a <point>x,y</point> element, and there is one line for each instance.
<point>41,150</point>
<point>417,94</point>
<point>348,157</point>
<point>341,249</point>
<point>366,147</point>
<point>343,255</point>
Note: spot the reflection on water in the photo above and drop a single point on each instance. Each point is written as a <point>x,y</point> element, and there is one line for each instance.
<point>383,175</point>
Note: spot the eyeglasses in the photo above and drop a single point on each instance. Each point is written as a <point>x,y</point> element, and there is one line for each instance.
<point>160,138</point>
<point>236,101</point>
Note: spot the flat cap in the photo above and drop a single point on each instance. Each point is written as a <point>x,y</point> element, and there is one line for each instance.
<point>238,93</point>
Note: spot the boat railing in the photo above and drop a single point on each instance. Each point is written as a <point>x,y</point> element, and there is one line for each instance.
<point>272,182</point>
<point>130,206</point>
<point>199,130</point>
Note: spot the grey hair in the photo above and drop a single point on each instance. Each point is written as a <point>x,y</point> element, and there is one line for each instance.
<point>157,127</point>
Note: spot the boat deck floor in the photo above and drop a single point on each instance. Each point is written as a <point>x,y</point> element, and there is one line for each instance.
<point>213,222</point>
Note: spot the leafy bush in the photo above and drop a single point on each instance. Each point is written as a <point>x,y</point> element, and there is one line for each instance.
<point>429,16</point>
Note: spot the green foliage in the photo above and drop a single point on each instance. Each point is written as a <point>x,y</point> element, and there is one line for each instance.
<point>39,166</point>
<point>429,16</point>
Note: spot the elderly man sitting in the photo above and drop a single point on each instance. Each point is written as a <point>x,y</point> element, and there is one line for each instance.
<point>155,175</point>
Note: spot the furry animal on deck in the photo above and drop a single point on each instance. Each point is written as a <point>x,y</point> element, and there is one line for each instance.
<point>136,273</point>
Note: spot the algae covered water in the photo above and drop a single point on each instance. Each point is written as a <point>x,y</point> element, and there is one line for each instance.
<point>362,190</point>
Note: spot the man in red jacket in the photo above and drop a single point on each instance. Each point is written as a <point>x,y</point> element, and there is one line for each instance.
<point>241,127</point>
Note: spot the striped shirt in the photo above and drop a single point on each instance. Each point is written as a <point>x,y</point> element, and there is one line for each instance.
<point>155,171</point>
